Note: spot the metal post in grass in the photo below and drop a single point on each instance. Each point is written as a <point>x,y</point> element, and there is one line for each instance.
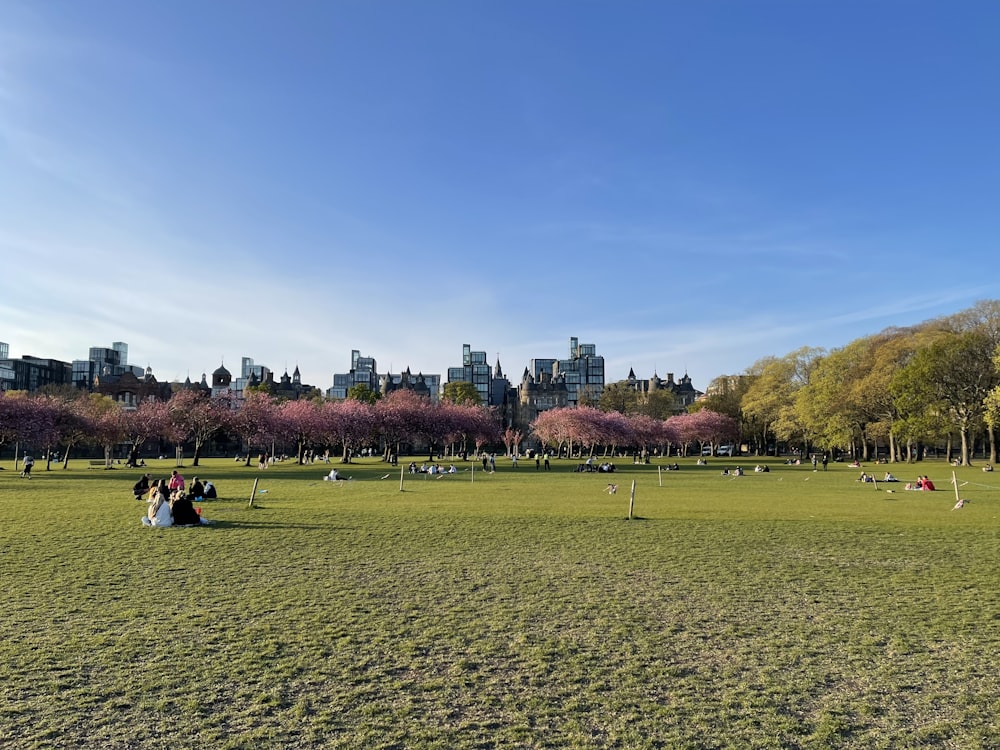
<point>631,501</point>
<point>659,474</point>
<point>473,473</point>
<point>253,491</point>
<point>954,481</point>
<point>401,472</point>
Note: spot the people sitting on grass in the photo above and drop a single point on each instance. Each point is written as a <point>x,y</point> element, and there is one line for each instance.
<point>855,464</point>
<point>176,481</point>
<point>197,489</point>
<point>889,477</point>
<point>738,471</point>
<point>333,476</point>
<point>210,491</point>
<point>988,467</point>
<point>761,468</point>
<point>158,513</point>
<point>922,483</point>
<point>141,487</point>
<point>183,511</point>
<point>866,477</point>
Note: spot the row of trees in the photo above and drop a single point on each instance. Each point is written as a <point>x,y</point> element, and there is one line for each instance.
<point>589,428</point>
<point>898,391</point>
<point>63,421</point>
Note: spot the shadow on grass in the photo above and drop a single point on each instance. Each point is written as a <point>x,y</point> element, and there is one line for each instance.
<point>274,525</point>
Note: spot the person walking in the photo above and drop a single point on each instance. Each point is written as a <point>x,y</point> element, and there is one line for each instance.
<point>26,466</point>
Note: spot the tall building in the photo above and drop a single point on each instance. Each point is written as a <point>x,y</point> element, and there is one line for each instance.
<point>105,362</point>
<point>474,370</point>
<point>31,373</point>
<point>250,374</point>
<point>583,373</point>
<point>363,372</point>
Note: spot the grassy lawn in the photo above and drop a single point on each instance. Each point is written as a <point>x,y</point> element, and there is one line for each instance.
<point>792,609</point>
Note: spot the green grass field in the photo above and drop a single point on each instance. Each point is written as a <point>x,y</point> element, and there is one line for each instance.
<point>793,609</point>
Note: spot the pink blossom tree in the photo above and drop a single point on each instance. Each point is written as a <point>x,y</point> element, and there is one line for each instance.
<point>399,418</point>
<point>109,426</point>
<point>551,428</point>
<point>300,422</point>
<point>356,422</point>
<point>148,420</point>
<point>511,440</point>
<point>199,417</point>
<point>254,421</point>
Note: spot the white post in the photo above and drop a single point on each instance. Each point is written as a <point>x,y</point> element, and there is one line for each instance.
<point>954,481</point>
<point>473,472</point>
<point>253,492</point>
<point>401,472</point>
<point>631,501</point>
<point>659,474</point>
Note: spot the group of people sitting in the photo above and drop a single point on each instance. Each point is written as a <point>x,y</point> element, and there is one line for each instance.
<point>605,467</point>
<point>169,503</point>
<point>737,472</point>
<point>431,469</point>
<point>922,483</point>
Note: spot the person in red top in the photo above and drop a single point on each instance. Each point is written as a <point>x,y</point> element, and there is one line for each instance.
<point>928,484</point>
<point>176,481</point>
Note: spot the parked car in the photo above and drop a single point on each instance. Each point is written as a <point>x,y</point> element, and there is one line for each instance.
<point>726,450</point>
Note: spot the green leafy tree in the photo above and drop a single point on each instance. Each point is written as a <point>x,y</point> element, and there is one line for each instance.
<point>363,392</point>
<point>659,405</point>
<point>619,397</point>
<point>947,383</point>
<point>770,397</point>
<point>461,392</point>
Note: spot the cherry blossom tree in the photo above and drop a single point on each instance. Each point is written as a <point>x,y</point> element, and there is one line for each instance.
<point>511,440</point>
<point>355,423</point>
<point>300,422</point>
<point>484,427</point>
<point>27,420</point>
<point>254,421</point>
<point>149,419</point>
<point>199,417</point>
<point>109,425</point>
<point>552,428</point>
<point>399,417</point>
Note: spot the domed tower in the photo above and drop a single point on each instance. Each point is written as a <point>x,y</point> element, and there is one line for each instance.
<point>222,380</point>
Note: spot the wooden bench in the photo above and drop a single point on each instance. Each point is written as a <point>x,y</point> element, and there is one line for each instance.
<point>96,463</point>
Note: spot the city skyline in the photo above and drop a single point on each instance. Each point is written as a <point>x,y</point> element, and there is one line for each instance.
<point>690,187</point>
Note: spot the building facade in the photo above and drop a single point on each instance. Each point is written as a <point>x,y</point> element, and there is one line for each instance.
<point>363,372</point>
<point>475,370</point>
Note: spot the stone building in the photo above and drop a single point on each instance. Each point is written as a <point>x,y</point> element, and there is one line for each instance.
<point>130,391</point>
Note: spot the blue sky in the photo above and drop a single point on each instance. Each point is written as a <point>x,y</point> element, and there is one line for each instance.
<point>689,186</point>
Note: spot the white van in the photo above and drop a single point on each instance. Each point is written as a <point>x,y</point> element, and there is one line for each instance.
<point>726,450</point>
<point>707,450</point>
